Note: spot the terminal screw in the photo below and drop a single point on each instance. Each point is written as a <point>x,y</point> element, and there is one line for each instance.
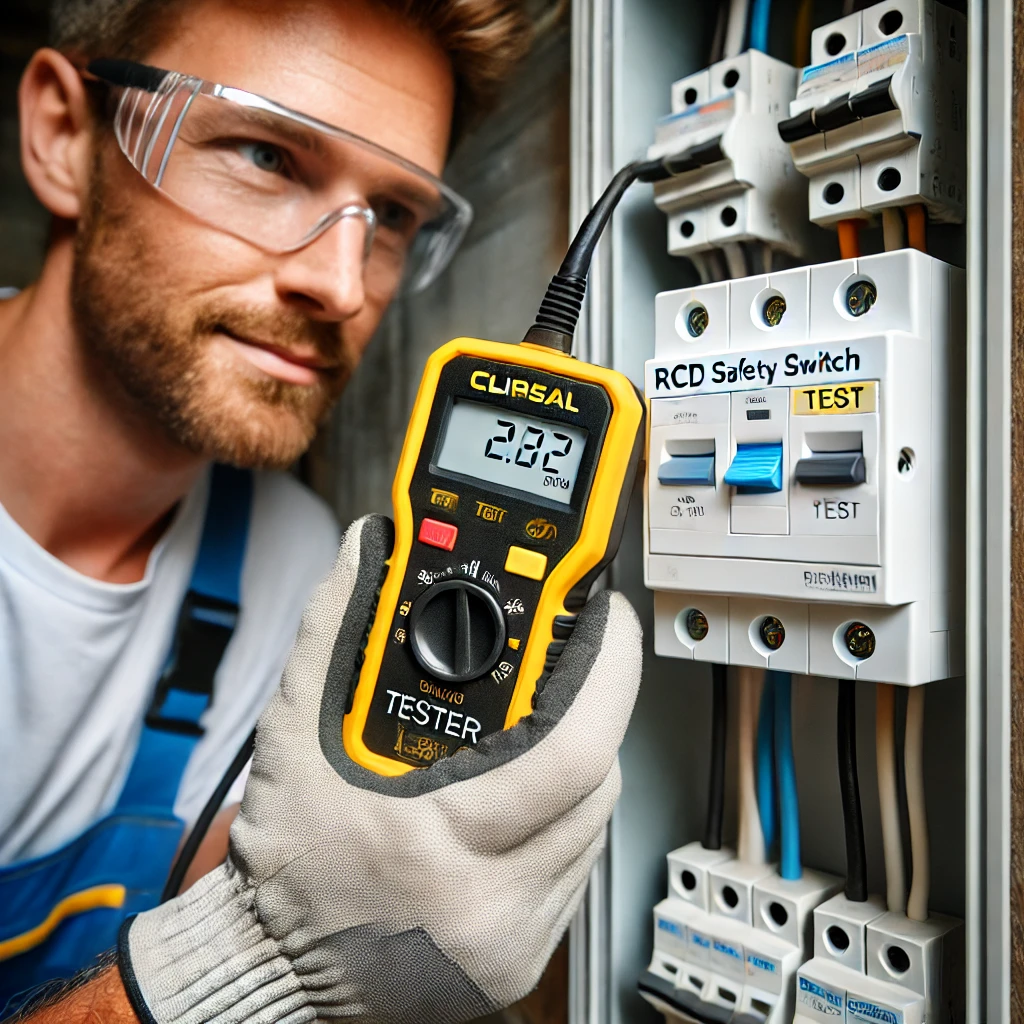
<point>696,624</point>
<point>773,632</point>
<point>697,321</point>
<point>860,297</point>
<point>773,310</point>
<point>859,640</point>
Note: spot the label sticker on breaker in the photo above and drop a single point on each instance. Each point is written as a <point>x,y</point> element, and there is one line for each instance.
<point>800,366</point>
<point>835,399</point>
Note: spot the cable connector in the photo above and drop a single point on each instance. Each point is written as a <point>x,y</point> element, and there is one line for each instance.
<point>559,310</point>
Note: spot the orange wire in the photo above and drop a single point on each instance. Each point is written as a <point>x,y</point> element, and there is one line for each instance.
<point>916,222</point>
<point>849,239</point>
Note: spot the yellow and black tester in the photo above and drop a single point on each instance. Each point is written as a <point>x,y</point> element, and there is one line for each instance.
<point>509,499</point>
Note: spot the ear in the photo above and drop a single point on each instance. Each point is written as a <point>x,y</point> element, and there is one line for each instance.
<point>56,133</point>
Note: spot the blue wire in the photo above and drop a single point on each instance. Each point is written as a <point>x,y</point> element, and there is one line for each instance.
<point>760,17</point>
<point>766,762</point>
<point>789,808</point>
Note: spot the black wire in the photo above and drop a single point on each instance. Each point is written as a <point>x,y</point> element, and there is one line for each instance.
<point>206,816</point>
<point>716,777</point>
<point>849,788</point>
<point>559,310</point>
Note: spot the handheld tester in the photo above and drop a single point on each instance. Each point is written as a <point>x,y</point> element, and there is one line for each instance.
<point>509,499</point>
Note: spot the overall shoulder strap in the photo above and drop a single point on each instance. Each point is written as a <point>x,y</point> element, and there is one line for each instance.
<point>205,625</point>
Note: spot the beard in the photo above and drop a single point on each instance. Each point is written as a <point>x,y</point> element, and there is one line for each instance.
<point>159,355</point>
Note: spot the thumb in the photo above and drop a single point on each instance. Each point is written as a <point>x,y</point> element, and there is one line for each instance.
<point>327,649</point>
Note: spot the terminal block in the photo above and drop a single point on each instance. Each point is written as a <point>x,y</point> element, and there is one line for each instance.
<point>805,470</point>
<point>880,116</point>
<point>734,179</point>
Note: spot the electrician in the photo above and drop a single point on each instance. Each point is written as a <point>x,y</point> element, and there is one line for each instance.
<point>218,261</point>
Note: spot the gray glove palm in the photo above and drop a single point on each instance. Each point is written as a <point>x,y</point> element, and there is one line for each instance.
<point>435,896</point>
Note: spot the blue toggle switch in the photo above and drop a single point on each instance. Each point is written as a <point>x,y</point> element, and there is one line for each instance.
<point>688,471</point>
<point>757,468</point>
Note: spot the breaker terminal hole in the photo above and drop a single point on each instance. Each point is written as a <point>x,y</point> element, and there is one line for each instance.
<point>898,959</point>
<point>889,179</point>
<point>697,983</point>
<point>687,228</point>
<point>860,297</point>
<point>697,321</point>
<point>729,216</point>
<point>690,96</point>
<point>689,880</point>
<point>835,43</point>
<point>778,913</point>
<point>761,1006</point>
<point>730,78</point>
<point>724,993</point>
<point>773,632</point>
<point>837,938</point>
<point>890,22</point>
<point>773,310</point>
<point>833,193</point>
<point>905,462</point>
<point>671,968</point>
<point>730,897</point>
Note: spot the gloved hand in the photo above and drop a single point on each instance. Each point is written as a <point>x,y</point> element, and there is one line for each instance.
<point>428,898</point>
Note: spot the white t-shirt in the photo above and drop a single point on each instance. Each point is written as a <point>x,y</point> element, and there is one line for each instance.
<point>79,659</point>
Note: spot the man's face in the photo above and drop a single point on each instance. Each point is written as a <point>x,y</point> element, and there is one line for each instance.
<point>239,353</point>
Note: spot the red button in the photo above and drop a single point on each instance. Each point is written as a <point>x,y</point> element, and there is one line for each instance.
<point>438,535</point>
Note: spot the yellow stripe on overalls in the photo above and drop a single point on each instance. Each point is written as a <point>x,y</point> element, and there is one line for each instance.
<point>110,896</point>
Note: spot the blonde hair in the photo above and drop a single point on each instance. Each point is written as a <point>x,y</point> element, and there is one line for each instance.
<point>484,39</point>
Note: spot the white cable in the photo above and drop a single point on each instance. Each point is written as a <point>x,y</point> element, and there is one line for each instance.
<point>892,229</point>
<point>885,754</point>
<point>913,766</point>
<point>737,28</point>
<point>735,259</point>
<point>750,842</point>
<point>701,266</point>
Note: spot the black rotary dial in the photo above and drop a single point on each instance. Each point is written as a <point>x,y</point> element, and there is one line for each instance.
<point>456,631</point>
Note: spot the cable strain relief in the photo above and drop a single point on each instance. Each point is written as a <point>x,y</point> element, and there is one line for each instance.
<point>560,308</point>
<point>548,339</point>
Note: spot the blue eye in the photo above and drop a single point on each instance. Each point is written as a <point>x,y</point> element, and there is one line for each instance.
<point>263,156</point>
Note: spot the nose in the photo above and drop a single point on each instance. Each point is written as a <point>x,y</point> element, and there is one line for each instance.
<point>326,277</point>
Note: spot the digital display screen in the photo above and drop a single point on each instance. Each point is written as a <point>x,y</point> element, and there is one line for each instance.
<point>541,457</point>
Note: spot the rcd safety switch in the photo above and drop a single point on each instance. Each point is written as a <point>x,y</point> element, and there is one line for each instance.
<point>805,476</point>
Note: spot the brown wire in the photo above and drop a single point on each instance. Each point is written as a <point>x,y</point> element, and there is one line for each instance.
<point>916,227</point>
<point>849,238</point>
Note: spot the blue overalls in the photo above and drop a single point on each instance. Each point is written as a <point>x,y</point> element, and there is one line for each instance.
<point>59,911</point>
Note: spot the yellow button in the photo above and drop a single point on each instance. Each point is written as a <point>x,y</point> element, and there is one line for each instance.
<point>523,562</point>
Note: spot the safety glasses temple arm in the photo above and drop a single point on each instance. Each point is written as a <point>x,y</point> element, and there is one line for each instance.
<point>126,73</point>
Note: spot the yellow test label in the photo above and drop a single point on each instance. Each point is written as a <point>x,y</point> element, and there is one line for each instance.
<point>835,399</point>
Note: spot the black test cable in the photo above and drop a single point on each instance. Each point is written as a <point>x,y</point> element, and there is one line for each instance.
<point>716,777</point>
<point>205,819</point>
<point>846,742</point>
<point>554,327</point>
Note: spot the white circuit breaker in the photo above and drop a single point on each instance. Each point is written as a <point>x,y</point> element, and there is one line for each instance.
<point>880,116</point>
<point>735,180</point>
<point>804,498</point>
<point>729,939</point>
<point>870,966</point>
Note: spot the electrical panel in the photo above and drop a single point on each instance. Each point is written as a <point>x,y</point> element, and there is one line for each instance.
<point>879,118</point>
<point>733,176</point>
<point>805,470</point>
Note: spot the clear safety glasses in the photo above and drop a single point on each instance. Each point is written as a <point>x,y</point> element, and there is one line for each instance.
<point>279,179</point>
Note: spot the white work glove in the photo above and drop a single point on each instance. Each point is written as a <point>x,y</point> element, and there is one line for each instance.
<point>427,898</point>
